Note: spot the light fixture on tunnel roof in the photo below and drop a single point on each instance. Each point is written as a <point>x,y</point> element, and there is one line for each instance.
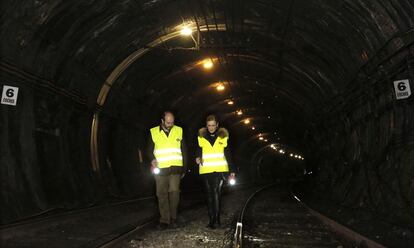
<point>186,31</point>
<point>268,117</point>
<point>299,157</point>
<point>239,112</point>
<point>246,121</point>
<point>261,138</point>
<point>220,87</point>
<point>281,151</point>
<point>253,128</point>
<point>265,140</point>
<point>296,156</point>
<point>291,154</point>
<point>208,64</point>
<point>230,102</point>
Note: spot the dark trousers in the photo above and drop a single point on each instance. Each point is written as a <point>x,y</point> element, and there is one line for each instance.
<point>168,194</point>
<point>213,183</point>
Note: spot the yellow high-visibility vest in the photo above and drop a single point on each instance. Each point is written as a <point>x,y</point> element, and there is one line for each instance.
<point>213,156</point>
<point>167,150</point>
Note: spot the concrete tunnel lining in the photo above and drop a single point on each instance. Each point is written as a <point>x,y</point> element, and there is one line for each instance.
<point>344,56</point>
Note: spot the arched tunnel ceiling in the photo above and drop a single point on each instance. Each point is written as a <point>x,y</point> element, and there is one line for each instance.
<point>284,59</point>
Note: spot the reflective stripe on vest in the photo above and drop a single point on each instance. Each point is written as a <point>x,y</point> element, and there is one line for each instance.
<point>167,150</point>
<point>213,156</point>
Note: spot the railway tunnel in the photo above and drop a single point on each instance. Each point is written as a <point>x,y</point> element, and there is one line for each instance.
<point>316,92</point>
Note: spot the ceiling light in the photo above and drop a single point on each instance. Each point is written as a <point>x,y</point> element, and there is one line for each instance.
<point>208,64</point>
<point>230,102</point>
<point>247,121</point>
<point>261,138</point>
<point>220,87</point>
<point>186,31</point>
<point>253,128</point>
<point>239,112</point>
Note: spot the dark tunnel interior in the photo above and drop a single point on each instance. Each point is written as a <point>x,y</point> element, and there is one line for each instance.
<point>304,87</point>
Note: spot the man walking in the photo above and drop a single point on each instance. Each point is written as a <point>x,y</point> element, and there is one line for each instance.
<point>167,153</point>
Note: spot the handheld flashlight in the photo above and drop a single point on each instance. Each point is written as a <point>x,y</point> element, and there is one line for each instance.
<point>156,171</point>
<point>232,181</point>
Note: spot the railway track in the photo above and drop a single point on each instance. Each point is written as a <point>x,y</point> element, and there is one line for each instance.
<point>100,226</point>
<point>270,217</point>
<point>273,217</point>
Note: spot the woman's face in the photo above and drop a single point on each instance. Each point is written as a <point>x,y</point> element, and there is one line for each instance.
<point>212,126</point>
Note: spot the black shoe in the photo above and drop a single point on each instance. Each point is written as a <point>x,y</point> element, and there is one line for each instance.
<point>174,224</point>
<point>211,221</point>
<point>211,225</point>
<point>217,220</point>
<point>162,226</point>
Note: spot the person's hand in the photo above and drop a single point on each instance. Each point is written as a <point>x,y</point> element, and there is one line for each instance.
<point>154,163</point>
<point>199,161</point>
<point>231,179</point>
<point>154,166</point>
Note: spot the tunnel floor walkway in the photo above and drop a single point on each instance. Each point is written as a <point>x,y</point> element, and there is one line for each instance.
<point>194,233</point>
<point>91,228</point>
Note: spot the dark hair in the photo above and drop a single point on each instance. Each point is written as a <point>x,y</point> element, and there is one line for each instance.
<point>211,118</point>
<point>165,113</point>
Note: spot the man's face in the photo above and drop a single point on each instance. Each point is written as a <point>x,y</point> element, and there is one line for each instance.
<point>168,121</point>
<point>212,126</point>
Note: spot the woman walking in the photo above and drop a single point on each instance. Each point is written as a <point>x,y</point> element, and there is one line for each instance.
<point>214,165</point>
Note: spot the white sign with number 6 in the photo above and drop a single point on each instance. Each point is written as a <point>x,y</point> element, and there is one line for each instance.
<point>402,89</point>
<point>9,96</point>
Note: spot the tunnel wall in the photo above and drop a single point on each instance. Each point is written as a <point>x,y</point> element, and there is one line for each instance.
<point>45,139</point>
<point>44,154</point>
<point>363,158</point>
